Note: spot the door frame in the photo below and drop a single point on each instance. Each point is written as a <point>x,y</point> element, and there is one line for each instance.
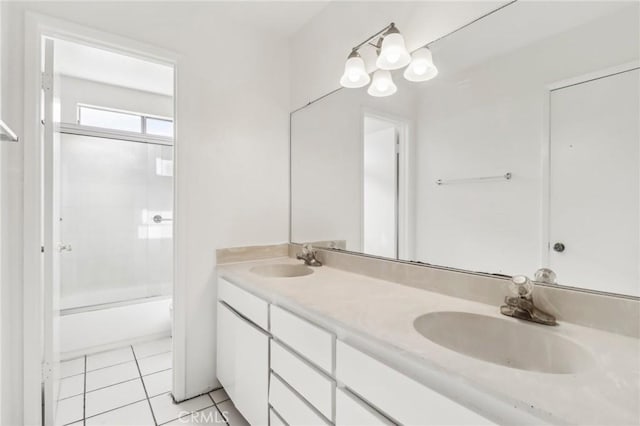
<point>404,202</point>
<point>38,27</point>
<point>545,188</point>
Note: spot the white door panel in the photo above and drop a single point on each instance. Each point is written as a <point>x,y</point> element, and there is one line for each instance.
<point>595,184</point>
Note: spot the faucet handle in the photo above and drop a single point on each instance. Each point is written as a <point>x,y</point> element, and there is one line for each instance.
<point>307,249</point>
<point>521,286</point>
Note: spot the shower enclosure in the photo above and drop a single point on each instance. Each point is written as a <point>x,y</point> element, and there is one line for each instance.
<point>116,224</point>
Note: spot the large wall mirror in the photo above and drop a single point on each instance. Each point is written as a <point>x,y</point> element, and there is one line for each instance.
<point>523,152</point>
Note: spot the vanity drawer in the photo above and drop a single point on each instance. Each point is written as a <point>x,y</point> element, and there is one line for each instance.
<point>246,304</point>
<point>314,386</point>
<point>400,397</point>
<point>351,411</point>
<point>310,341</point>
<point>291,408</point>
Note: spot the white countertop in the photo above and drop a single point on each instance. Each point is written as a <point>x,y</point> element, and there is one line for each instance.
<point>378,315</point>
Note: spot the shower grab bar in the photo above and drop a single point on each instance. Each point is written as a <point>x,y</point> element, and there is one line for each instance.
<point>7,134</point>
<point>506,176</point>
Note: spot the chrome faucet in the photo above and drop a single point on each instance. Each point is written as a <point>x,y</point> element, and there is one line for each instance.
<point>521,305</point>
<point>308,255</point>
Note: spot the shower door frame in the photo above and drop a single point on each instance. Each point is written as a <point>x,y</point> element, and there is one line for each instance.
<point>37,28</point>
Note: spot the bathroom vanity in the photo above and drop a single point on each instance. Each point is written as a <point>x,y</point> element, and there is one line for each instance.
<point>300,345</point>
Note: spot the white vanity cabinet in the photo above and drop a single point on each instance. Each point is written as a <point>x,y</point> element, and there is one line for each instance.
<point>279,368</point>
<point>243,351</point>
<point>302,387</point>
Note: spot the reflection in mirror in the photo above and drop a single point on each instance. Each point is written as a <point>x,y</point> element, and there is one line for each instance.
<point>523,152</point>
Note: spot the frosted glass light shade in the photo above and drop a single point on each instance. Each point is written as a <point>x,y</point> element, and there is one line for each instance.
<point>393,53</point>
<point>382,84</point>
<point>421,67</point>
<point>355,74</point>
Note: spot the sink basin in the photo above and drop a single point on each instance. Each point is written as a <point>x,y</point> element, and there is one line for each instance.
<point>282,270</point>
<point>505,342</point>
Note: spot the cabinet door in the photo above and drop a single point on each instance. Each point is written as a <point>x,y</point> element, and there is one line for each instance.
<point>350,411</point>
<point>252,377</point>
<point>226,349</point>
<point>243,364</point>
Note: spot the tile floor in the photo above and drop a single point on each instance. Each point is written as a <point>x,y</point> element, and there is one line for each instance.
<point>131,386</point>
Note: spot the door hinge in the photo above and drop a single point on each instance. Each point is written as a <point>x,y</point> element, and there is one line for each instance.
<point>41,249</point>
<point>46,370</point>
<point>47,81</point>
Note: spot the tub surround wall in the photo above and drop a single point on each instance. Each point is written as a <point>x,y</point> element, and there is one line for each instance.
<point>616,314</point>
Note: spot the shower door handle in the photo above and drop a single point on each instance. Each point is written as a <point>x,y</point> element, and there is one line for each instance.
<point>159,219</point>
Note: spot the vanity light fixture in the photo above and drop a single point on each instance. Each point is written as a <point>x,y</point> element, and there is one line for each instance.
<point>355,74</point>
<point>392,55</point>
<point>382,84</point>
<point>421,67</point>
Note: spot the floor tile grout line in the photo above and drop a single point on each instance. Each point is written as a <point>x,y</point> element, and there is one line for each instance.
<point>144,387</point>
<point>155,372</point>
<point>222,415</point>
<point>100,368</point>
<point>191,413</point>
<point>117,363</point>
<point>116,408</point>
<point>115,384</point>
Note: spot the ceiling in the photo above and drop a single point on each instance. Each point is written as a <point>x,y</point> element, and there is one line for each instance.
<point>278,18</point>
<point>525,23</point>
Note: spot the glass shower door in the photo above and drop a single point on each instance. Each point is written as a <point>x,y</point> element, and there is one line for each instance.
<point>116,220</point>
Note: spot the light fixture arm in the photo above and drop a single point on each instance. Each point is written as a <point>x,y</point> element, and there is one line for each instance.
<point>389,29</point>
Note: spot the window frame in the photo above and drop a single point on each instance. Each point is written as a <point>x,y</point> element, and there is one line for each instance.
<point>143,120</point>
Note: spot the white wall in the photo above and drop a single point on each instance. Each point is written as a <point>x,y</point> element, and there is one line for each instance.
<point>76,90</point>
<point>232,138</point>
<point>327,163</point>
<point>320,48</point>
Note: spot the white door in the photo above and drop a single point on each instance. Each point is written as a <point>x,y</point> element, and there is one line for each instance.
<point>51,239</point>
<point>594,190</point>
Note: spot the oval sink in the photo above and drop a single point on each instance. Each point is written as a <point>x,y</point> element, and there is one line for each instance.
<point>282,270</point>
<point>504,342</point>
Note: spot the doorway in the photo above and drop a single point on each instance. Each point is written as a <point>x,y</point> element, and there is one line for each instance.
<point>385,186</point>
<point>108,201</point>
<point>593,235</point>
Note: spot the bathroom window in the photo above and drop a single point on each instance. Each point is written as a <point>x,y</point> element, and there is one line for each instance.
<point>124,121</point>
<point>158,127</point>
